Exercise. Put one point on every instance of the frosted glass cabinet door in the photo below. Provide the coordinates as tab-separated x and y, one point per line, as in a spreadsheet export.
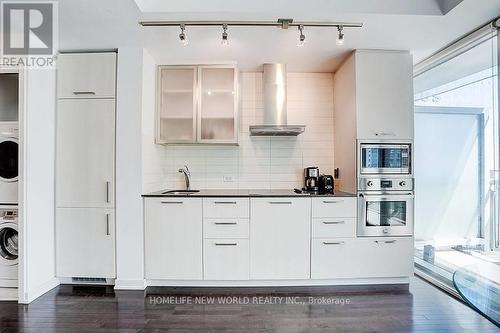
176	114
217	121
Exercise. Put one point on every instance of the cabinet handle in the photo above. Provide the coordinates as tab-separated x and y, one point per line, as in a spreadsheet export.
332	202
225	202
226	223
83	93
226	244
107	192
107	225
384	134
173	202
333	243
334	222
386	242
280	202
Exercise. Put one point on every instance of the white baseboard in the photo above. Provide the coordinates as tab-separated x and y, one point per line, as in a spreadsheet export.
9	294
30	295
130	284
277	283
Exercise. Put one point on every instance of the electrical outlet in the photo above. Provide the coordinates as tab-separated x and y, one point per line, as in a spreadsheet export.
228	178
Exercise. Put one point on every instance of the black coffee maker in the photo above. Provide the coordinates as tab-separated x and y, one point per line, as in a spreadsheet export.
311	179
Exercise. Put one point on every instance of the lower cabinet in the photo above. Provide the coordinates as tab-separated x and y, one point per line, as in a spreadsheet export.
280	238
226	259
361	258
85	242
173	238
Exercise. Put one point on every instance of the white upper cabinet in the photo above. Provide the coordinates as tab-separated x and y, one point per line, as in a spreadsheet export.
86	75
176	116
197	104
217	105
384	95
373	97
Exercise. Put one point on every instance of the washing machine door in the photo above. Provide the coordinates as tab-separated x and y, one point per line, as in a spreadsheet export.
9	159
9	244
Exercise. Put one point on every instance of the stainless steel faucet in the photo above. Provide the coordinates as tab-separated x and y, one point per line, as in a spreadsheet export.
187	176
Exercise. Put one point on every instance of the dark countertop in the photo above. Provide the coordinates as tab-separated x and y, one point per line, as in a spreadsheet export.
244	193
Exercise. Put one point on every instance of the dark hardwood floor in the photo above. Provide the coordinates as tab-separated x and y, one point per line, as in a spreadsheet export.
73	309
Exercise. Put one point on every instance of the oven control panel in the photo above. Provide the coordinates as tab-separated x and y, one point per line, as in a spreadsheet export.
385	184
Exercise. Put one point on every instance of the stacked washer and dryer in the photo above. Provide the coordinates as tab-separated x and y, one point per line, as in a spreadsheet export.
9	170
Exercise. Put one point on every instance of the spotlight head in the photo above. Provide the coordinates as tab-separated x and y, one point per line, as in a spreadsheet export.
340	36
182	36
302	37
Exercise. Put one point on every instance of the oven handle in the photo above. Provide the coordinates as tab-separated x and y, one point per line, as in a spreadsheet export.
384	196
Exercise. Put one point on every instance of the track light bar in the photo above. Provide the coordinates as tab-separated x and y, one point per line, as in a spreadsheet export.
280	23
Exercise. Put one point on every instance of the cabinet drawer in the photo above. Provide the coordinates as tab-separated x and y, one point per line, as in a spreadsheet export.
334	207
225	228
225	207
385	257
226	259
333	227
361	258
86	75
333	259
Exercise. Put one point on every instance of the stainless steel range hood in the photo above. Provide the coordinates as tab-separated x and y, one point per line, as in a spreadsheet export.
275	113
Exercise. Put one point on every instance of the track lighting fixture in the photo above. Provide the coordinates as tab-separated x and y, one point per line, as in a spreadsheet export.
283	23
182	36
225	41
302	37
340	37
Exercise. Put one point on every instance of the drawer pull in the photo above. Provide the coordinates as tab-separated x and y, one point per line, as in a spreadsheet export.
226	244
107	192
386	242
83	93
226	223
334	222
333	243
280	202
225	202
173	202
332	202
107	225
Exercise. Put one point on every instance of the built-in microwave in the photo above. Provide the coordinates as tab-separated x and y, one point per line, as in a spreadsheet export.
385	214
384	158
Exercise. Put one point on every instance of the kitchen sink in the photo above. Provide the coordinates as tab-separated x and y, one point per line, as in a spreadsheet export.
181	192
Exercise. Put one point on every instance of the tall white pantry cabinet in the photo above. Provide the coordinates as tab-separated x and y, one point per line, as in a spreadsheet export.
85	165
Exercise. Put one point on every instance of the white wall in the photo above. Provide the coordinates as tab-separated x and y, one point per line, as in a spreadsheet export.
37	269
152	177
129	222
257	163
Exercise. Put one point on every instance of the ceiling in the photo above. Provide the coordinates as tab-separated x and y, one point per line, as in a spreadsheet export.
421	26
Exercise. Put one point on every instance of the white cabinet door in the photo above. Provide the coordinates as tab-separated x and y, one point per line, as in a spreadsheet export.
85	242
176	104
85	153
280	238
217	104
384	95
226	259
338	258
86	75
173	238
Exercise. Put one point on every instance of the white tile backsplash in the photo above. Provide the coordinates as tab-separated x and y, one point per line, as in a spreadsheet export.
260	162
